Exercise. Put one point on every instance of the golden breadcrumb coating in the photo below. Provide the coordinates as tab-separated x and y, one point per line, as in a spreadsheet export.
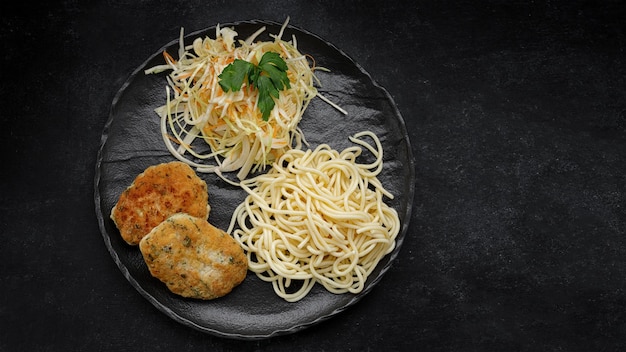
194	258
157	193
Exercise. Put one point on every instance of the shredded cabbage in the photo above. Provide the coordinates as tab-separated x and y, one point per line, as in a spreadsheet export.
230	122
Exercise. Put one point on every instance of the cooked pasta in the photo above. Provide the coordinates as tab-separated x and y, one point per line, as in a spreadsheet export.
317	216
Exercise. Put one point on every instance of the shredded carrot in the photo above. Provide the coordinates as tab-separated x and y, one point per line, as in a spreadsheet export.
308	56
168	58
229	122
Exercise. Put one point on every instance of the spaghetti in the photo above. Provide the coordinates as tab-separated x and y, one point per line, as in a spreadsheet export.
317	217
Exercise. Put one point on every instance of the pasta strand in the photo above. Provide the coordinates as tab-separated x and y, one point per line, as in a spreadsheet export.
317	216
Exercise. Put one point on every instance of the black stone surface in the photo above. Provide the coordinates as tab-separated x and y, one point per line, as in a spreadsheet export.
517	117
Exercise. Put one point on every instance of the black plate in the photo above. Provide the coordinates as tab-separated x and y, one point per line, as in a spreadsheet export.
131	142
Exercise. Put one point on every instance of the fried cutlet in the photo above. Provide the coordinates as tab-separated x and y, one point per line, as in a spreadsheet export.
194	258
157	193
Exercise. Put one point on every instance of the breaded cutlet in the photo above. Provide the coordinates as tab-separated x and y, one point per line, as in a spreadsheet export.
157	193
194	258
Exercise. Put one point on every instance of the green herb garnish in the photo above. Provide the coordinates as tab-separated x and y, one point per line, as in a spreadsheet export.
269	77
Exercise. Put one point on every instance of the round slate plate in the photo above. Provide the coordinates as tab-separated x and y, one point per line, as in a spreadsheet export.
131	142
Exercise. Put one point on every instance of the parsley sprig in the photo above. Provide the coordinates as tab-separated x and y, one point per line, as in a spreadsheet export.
268	77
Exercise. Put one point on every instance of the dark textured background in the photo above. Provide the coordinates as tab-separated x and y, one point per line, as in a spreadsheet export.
517	117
